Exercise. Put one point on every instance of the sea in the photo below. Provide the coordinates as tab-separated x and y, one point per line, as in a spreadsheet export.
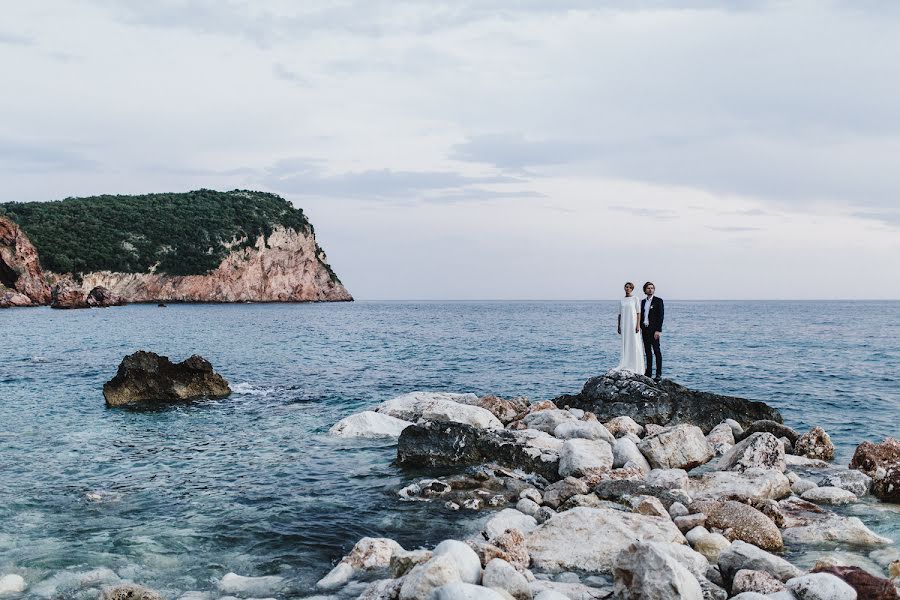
252	484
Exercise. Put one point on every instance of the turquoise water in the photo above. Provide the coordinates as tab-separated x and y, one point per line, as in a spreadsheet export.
251	484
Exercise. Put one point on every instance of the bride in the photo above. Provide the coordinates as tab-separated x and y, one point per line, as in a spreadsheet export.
630	329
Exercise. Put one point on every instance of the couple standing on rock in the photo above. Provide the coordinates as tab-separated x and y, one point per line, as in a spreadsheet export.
640	325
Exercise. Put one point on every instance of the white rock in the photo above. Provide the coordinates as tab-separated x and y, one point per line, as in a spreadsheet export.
753	483
793	460
619	426
551	595
570	540
580	457
467	562
454	412
682	447
568	590
801	486
464	591
501	575
677	509
720	439
741	555
759	450
588	430
232	583
697	532
338	576
528	507
428	576
853	481
834	528
829	495
532	494
12	584
751	596
576	412
643	571
711	546
736	428
548	420
648	505
821	586
625	450
369	424
668	478
509	518
409	406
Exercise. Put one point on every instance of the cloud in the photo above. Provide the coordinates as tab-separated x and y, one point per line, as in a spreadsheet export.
306	177
15	39
282	72
650	213
733	229
48	157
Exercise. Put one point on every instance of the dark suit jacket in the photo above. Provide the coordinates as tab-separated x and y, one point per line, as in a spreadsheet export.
657	313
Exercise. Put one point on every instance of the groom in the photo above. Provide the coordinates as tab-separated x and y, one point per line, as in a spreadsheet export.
652	312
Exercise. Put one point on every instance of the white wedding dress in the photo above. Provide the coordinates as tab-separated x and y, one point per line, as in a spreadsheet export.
632	346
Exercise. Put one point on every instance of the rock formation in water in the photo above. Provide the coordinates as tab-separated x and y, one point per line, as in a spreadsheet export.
22	282
148	378
202	246
619	393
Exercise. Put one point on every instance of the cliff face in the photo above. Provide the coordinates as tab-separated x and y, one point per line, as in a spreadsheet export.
22	281
288	266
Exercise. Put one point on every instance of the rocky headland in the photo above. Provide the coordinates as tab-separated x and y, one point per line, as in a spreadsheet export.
628	490
261	250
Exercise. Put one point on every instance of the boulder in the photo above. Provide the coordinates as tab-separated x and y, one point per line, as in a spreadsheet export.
557	493
465	591
20	268
855	482
558	590
404	560
506	410
146	377
380	589
454	412
741	555
753	483
619	426
624	451
832	528
369	424
867	586
620	393
433	444
682	447
741	522
720	439
711	546
467	562
129	592
65	293
881	462
815	444
508	518
624	490
802	485
747	580
410	406
428	576
650	506
500	575
829	495
368	554
821	586
776	428
514	548
689	522
13	299
569	540
668	478
100	297
589	430
642	570
759	450
528	507
547	420
580	457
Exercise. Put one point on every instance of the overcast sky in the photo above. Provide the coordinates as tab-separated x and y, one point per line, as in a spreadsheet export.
491	149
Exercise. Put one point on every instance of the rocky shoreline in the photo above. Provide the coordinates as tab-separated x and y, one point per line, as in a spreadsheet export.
630	490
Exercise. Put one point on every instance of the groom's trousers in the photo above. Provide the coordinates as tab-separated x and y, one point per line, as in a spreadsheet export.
651	349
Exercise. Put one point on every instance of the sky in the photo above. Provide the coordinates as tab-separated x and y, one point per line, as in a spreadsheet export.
490	149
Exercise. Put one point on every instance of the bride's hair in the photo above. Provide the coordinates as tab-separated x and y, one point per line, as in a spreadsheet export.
628	283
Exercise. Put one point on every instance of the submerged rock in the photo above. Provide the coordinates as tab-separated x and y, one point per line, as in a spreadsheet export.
881	462
12	584
620	393
232	583
855	482
146	377
129	592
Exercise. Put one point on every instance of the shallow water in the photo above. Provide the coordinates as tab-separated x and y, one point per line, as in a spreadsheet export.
177	498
